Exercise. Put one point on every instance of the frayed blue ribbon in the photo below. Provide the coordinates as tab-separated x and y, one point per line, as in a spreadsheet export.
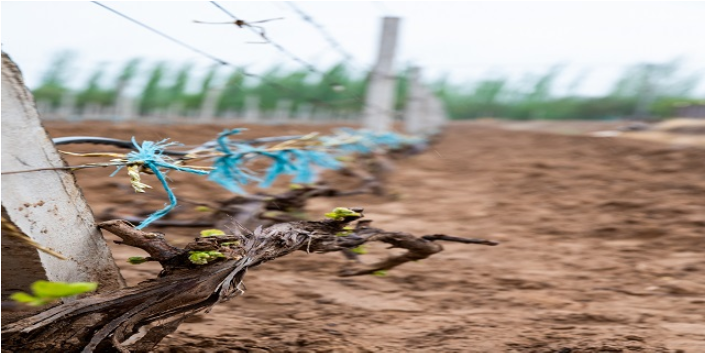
299	163
230	173
228	169
349	140
151	155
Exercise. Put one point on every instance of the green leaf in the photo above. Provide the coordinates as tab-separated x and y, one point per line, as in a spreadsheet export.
360	250
22	297
380	273
136	260
203	257
203	209
339	213
45	292
212	233
347	230
214	254
46	289
198	257
273	214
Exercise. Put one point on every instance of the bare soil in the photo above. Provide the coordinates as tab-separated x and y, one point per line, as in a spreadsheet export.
602	250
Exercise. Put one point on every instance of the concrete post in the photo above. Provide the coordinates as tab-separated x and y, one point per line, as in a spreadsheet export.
415	115
378	114
282	111
67	106
209	105
304	112
252	109
47	205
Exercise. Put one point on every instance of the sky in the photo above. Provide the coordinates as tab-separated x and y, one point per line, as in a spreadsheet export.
465	41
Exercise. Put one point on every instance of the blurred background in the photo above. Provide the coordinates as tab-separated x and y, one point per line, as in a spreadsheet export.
561	146
514	60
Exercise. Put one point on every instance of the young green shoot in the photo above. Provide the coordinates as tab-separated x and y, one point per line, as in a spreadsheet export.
45	292
204	257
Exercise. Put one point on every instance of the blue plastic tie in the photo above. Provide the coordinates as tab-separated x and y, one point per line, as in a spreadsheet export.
150	155
230	173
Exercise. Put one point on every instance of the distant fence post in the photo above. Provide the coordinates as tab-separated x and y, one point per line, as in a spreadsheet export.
282	111
439	115
47	205
415	116
173	113
432	110
67	106
125	108
210	103
91	111
252	108
378	114
304	111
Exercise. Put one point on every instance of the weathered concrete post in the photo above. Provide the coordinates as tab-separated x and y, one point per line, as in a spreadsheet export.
210	103
378	114
436	112
415	115
46	205
252	109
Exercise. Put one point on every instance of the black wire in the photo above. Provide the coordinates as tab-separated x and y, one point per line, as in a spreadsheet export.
105	141
93	140
333	43
67	140
308	66
276	85
324	33
278	46
225	10
152	29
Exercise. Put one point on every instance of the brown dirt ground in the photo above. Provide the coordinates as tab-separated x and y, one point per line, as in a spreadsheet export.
602	250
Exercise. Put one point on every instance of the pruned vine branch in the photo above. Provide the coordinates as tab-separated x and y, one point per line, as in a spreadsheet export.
135	319
252	210
417	248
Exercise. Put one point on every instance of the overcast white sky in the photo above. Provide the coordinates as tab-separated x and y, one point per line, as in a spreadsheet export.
467	40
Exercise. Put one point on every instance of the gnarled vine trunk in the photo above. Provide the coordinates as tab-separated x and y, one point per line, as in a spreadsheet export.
135	319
